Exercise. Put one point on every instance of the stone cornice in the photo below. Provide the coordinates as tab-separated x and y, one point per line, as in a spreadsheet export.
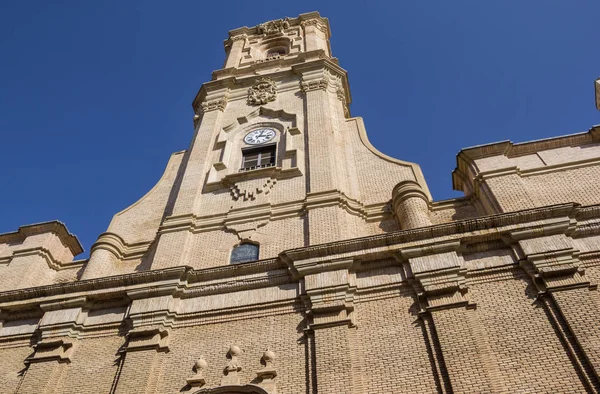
460	176
370	212
318	258
115	285
469	230
466	157
116	245
292	22
56	227
304	62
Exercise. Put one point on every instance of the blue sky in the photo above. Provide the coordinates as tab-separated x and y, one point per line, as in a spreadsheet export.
95	95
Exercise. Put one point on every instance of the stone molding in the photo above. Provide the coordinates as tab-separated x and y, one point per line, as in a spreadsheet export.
329	292
475	230
334	260
317	23
411	205
56	227
59	350
234	389
155	338
549	257
213	105
315	84
465	160
241	37
268	212
37	240
116	245
46	255
439	276
328	78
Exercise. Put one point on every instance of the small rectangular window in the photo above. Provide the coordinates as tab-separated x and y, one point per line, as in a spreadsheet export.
258	158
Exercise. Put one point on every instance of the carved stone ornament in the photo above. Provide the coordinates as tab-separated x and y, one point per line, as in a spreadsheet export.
315	84
268	373
316	23
230	372
198	379
273	27
250	189
208	106
263	91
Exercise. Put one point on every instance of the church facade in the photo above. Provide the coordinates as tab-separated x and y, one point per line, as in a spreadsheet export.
282	253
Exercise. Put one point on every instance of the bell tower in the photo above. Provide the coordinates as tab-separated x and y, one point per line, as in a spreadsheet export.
276	163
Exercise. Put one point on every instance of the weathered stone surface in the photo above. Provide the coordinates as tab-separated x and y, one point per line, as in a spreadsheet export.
363	283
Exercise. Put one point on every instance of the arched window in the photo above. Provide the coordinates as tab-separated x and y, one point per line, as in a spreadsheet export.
243	253
276	52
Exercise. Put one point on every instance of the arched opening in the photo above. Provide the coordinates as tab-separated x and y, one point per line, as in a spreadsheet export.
274	49
241	389
276	52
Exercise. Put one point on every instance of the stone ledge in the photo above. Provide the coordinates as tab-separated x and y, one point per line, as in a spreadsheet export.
56	227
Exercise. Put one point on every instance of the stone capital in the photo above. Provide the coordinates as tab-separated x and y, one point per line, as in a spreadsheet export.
329	296
148	338
58	349
551	261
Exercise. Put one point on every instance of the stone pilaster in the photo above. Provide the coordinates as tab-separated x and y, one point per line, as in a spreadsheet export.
209	106
316	32
552	262
147	341
45	367
142	361
447	315
314	84
53	351
234	47
329	297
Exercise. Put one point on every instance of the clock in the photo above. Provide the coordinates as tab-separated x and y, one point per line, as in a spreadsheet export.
259	136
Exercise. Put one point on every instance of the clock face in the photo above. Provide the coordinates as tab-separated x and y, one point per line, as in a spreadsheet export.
259	136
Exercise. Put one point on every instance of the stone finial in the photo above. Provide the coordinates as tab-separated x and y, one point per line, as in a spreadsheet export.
268	372
230	372
198	379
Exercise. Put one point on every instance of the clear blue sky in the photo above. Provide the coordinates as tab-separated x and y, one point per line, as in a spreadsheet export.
95	95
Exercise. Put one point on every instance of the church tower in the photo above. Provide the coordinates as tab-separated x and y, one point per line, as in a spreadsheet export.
282	253
276	163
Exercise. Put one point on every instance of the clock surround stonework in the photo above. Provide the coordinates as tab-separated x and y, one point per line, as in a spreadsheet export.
364	283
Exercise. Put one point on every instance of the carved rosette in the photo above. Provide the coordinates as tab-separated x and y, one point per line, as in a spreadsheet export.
263	91
273	27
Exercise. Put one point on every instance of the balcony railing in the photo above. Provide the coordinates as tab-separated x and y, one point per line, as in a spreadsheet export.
256	167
